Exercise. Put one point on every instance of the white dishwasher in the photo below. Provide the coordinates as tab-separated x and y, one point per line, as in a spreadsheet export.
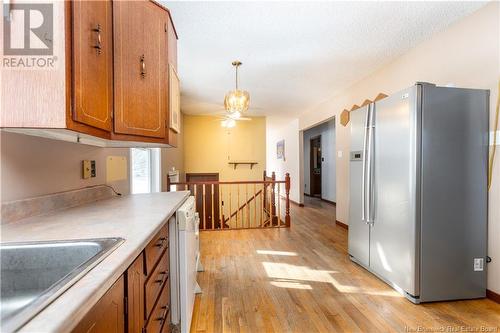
184	259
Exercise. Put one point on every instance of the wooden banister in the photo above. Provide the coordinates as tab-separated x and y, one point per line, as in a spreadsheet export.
256	203
287	199
240	182
244	205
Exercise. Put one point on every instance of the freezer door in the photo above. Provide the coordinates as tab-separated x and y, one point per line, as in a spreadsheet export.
393	232
358	229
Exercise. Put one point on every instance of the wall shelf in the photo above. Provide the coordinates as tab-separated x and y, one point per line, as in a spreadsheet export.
235	163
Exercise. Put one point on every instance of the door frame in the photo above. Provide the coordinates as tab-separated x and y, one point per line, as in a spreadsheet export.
188	174
312	188
216	217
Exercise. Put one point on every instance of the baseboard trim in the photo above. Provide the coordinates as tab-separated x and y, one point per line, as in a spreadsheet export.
296	203
493	296
321	198
330	202
342	225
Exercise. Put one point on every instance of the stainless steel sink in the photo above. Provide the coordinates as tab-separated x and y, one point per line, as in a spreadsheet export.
33	274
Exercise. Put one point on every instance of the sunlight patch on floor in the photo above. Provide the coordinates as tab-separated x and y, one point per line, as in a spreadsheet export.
299	274
277	253
291	285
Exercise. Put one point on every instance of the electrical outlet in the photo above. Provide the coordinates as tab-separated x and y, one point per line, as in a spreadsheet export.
92	169
88	169
478	264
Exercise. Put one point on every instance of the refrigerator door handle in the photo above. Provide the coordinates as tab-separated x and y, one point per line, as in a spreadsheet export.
371	166
363	174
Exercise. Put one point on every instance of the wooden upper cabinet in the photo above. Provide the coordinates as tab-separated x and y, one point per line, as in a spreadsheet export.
141	69
172	61
93	63
110	79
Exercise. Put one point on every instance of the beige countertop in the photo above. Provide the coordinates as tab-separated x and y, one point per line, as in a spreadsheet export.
135	218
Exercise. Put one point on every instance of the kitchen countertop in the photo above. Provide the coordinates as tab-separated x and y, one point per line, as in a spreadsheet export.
135	218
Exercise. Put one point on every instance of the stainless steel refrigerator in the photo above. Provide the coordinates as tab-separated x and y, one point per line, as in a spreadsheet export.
418	191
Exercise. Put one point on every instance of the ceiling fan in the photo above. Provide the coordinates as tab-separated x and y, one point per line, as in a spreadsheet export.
228	120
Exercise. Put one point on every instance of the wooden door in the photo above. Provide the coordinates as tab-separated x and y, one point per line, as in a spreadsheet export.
206	217
108	314
135	295
315	167
141	70
93	63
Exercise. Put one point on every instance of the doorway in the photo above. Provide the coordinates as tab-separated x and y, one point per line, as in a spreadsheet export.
206	218
318	162
315	166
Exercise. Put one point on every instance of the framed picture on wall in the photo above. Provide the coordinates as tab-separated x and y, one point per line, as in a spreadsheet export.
280	150
175	99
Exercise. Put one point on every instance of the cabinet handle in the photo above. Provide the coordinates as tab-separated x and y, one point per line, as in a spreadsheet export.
143	67
161	281
98	46
164	315
160	243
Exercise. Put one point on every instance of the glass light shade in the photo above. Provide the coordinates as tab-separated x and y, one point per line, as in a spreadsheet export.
237	101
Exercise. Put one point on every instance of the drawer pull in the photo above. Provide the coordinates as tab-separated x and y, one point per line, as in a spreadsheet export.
164	315
160	243
160	281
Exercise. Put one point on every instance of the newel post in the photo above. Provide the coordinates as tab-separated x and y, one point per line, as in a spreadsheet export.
273	194
287	203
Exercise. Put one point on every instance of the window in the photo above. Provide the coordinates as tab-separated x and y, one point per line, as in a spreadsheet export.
145	167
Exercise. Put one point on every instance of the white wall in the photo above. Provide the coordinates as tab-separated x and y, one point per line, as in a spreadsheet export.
328	169
173	157
33	166
288	129
467	55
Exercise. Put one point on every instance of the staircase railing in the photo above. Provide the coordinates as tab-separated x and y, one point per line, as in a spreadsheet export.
240	204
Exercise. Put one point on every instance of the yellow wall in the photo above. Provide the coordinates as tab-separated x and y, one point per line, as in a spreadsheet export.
209	147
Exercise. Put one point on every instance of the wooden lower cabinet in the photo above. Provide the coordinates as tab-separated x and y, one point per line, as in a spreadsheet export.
160	316
108	315
135	295
148	288
139	301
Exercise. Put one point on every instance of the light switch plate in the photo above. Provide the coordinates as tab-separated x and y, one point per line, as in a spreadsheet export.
339	154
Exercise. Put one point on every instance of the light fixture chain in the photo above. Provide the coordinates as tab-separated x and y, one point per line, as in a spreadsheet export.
237	77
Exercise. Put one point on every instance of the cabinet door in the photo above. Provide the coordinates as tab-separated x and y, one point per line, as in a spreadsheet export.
140	68
108	315
135	295
93	63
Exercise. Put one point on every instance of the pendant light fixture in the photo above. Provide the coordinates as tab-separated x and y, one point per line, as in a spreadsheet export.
237	101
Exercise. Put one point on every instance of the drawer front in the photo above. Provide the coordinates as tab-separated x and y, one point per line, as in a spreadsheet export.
157	279
155	248
160	317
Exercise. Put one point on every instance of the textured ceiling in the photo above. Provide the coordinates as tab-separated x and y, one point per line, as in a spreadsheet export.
295	54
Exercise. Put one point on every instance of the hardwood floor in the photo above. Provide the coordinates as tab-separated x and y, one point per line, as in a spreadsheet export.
301	280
